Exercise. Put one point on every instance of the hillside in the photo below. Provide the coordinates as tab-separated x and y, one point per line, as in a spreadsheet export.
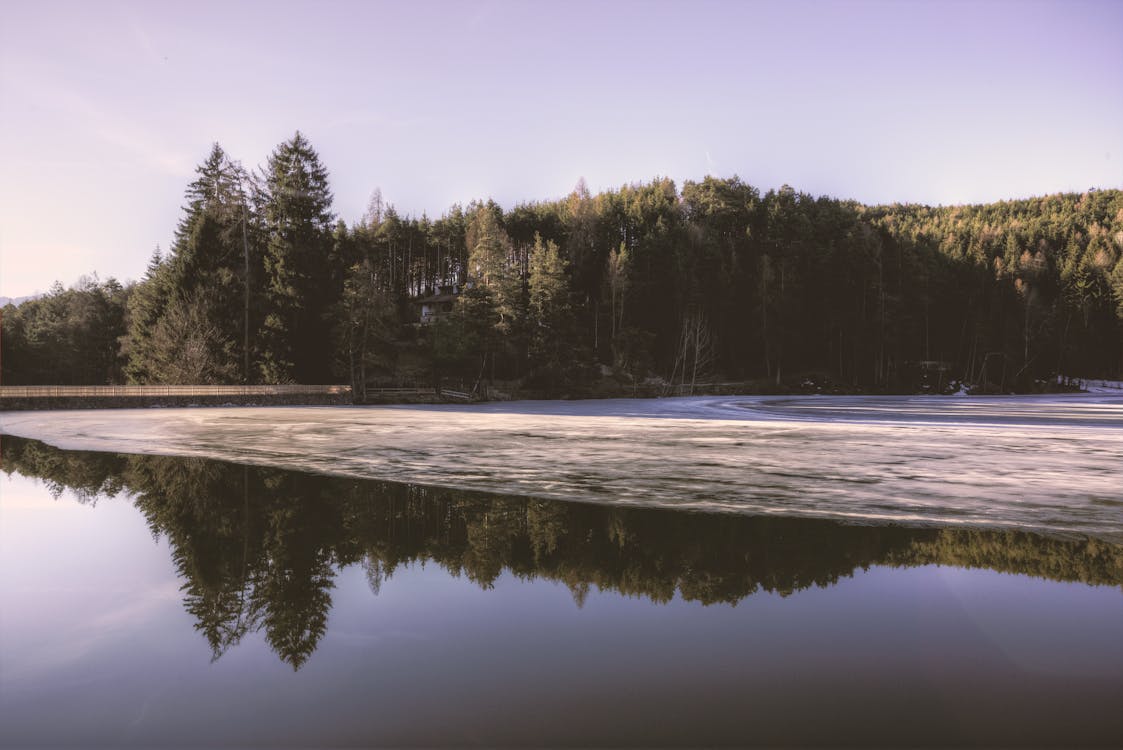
713	281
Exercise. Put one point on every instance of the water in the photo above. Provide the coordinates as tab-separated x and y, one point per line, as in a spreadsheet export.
153	600
1052	464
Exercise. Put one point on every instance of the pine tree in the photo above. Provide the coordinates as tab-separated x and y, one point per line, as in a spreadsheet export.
199	295
552	322
365	322
490	264
297	220
146	306
492	306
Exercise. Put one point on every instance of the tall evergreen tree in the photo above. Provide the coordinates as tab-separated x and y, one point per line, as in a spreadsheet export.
365	327
297	221
146	306
190	322
553	339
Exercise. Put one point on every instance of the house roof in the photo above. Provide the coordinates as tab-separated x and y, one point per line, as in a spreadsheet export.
435	299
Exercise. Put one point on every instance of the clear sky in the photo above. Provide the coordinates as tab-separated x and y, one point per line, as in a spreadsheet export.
106	107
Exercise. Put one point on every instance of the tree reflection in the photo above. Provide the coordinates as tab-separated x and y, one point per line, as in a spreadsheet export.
258	548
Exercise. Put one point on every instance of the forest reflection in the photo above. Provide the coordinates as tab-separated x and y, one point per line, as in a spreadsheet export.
258	548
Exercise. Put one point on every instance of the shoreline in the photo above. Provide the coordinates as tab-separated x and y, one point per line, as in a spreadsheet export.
117	397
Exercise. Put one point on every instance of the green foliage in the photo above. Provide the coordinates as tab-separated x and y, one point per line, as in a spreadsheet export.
475	324
66	337
492	265
365	327
718	281
297	218
190	346
553	337
188	320
146	307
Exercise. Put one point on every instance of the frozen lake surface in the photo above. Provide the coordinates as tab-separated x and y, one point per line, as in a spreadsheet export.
1047	464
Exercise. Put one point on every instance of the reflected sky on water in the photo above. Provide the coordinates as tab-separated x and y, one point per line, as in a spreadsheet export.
214	603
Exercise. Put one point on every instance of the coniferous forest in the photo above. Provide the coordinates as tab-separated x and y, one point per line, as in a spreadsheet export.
646	284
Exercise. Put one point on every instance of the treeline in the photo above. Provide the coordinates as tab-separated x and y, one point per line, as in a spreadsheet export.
66	337
258	549
716	281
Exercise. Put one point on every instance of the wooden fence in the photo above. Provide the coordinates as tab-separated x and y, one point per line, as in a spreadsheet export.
425	393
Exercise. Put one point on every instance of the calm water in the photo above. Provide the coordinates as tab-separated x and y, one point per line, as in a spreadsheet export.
151	600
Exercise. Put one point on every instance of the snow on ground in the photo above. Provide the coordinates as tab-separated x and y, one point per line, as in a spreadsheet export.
1088	385
1104	386
1052	463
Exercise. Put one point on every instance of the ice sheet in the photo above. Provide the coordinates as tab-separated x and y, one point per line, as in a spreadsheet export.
1051	464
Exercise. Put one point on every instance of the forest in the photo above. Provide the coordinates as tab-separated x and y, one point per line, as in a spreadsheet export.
259	549
649	285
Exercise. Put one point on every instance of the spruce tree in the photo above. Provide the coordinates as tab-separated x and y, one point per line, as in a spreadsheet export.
297	220
146	306
197	297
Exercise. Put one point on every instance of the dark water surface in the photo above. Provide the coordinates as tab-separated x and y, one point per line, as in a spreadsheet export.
155	601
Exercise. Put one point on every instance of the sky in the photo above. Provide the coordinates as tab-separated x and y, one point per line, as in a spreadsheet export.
107	107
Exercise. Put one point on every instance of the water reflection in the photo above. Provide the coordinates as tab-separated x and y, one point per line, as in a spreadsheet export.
258	549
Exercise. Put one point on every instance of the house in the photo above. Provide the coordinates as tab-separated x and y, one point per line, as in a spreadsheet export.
436	306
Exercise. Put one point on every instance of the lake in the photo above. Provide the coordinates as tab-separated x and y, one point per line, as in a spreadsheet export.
675	572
